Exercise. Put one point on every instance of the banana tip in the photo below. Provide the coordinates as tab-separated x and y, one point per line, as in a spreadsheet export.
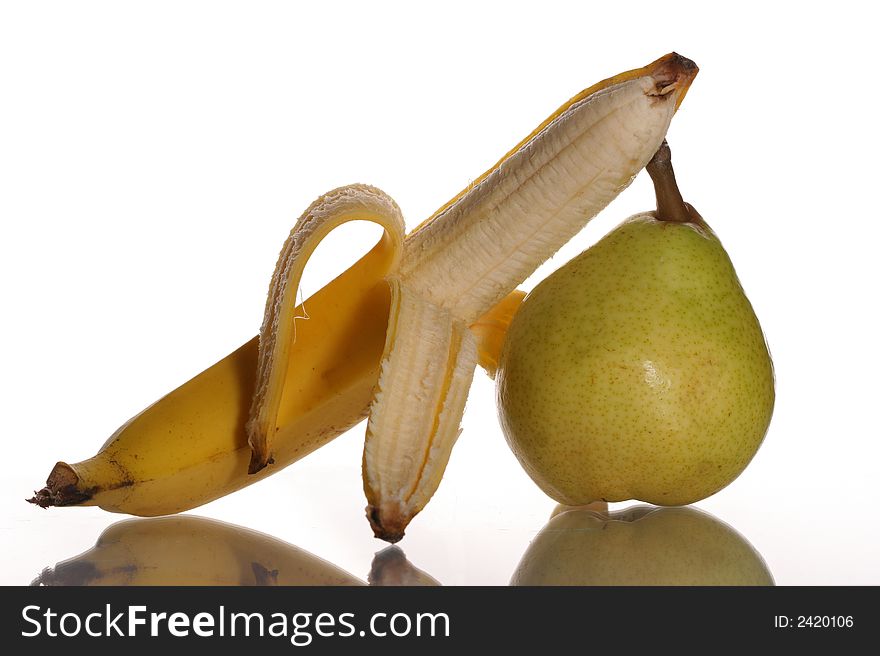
388	522
62	489
673	72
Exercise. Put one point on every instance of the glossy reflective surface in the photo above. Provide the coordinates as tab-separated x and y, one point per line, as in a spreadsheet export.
641	545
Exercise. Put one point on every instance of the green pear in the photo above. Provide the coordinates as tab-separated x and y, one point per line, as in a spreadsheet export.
642	545
639	369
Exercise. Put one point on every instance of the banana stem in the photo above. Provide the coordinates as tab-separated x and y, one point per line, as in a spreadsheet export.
670	205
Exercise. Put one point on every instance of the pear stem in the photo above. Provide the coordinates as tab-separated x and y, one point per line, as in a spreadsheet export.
670	205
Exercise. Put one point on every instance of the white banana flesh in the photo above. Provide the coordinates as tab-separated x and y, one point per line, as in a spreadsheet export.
426	371
478	249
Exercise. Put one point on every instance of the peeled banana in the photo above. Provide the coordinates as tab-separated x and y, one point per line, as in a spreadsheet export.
477	249
398	335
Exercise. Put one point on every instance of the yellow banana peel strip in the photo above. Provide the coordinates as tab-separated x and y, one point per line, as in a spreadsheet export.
277	335
491	328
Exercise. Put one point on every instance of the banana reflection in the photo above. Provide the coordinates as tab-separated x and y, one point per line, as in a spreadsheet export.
391	568
641	545
188	550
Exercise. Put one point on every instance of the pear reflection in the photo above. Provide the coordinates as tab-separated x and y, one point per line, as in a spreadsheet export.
641	545
391	567
188	550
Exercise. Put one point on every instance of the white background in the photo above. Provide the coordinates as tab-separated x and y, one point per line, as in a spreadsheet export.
153	157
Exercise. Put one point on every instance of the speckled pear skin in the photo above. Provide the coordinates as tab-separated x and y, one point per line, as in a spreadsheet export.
640	546
637	371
